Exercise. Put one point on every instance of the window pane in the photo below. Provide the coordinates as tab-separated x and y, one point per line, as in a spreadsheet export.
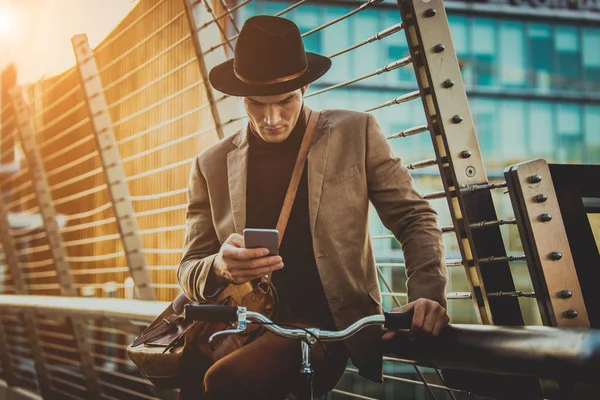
484	117
567	59
460	39
512	121
540	45
570	138
484	51
592	133
541	130
336	38
591	58
512	54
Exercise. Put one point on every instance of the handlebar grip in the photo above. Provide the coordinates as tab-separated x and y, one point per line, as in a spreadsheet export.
210	313
398	320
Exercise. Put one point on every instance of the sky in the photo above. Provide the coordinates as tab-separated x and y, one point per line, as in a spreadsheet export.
36	34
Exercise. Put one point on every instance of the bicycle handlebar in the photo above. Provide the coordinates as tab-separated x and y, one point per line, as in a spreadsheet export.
218	313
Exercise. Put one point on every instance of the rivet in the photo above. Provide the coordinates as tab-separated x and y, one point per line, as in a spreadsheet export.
565	294
555	255
457	119
537	178
439	48
540	198
266	276
466	154
570	314
448	83
430	12
470	171
546	217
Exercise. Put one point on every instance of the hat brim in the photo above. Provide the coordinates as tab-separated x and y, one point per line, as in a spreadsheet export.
223	79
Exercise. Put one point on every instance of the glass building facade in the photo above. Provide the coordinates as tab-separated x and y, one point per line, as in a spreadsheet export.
532	77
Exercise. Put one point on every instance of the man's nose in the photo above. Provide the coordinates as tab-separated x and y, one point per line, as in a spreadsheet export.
272	116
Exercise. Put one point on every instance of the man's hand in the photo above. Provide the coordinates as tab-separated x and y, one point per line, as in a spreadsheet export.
236	264
429	318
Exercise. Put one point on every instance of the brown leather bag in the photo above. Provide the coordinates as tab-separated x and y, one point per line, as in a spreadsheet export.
170	347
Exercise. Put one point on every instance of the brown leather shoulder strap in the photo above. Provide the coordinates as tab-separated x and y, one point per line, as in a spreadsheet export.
295	181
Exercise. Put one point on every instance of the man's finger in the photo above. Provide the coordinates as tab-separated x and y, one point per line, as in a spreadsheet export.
389	335
431	318
440	324
236	240
254	273
242	254
418	318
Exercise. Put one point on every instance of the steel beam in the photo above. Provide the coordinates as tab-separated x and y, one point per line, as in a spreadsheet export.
112	167
27	318
206	36
46	207
459	157
550	261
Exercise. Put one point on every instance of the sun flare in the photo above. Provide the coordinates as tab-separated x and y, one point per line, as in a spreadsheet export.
6	20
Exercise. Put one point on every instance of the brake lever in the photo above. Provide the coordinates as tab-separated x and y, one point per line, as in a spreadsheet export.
242	323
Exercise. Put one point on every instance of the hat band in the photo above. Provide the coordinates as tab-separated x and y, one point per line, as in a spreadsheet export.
271	81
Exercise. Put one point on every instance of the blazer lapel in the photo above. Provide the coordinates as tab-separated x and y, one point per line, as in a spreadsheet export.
317	158
237	171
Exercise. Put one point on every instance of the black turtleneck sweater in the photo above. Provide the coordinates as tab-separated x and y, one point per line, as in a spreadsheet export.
270	166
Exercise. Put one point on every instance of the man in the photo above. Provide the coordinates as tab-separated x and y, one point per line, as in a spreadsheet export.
325	274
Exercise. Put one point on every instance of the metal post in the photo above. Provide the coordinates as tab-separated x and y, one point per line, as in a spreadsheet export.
550	263
459	157
112	167
223	109
48	213
28	319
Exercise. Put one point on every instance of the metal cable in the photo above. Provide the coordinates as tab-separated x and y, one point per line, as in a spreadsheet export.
36	264
229	12
138	68
62	116
418	371
58	81
160	230
113	61
160	169
161	125
151	83
214	17
229	39
127	391
95	239
384	33
77	178
161	210
96	258
410	132
360	8
162	251
92	224
168	144
387	68
105	44
66	149
398	100
158	195
80	195
55	102
388	287
64	133
86	214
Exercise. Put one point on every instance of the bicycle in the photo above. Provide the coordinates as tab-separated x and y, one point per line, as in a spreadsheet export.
240	317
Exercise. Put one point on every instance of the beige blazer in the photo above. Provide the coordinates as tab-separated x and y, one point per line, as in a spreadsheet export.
349	163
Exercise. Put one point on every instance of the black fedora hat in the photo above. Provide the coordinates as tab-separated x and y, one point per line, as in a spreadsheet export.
269	59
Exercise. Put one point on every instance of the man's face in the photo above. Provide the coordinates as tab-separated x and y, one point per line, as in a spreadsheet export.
274	117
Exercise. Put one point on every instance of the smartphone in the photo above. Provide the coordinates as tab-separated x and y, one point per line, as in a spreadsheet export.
268	238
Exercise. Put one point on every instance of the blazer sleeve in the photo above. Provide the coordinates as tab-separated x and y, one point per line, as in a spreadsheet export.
410	217
201	244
